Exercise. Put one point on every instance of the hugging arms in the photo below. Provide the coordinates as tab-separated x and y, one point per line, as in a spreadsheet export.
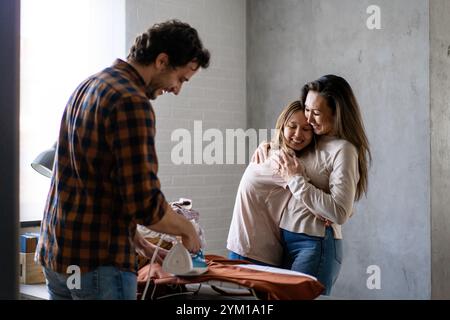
321	154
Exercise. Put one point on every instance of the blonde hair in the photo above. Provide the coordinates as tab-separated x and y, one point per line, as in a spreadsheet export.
347	120
279	141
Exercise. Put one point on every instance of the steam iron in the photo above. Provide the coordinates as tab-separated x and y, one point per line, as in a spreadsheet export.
180	262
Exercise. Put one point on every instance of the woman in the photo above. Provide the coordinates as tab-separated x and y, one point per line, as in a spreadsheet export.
262	195
324	181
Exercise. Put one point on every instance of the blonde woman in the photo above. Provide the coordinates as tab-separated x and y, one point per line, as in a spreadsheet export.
262	195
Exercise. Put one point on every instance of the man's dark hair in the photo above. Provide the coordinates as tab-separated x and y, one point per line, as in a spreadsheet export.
175	38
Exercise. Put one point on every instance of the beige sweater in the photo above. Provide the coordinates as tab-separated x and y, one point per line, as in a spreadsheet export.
328	190
261	198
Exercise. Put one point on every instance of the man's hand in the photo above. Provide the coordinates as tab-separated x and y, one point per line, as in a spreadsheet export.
289	166
261	153
191	241
177	225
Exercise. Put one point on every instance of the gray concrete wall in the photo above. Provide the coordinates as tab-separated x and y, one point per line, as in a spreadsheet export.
290	42
440	147
216	96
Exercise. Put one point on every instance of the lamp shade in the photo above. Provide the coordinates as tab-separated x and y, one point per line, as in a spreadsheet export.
44	162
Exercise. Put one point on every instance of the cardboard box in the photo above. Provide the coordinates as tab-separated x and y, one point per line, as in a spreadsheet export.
28	242
30	272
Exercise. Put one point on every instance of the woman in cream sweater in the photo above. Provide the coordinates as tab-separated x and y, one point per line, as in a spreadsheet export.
325	181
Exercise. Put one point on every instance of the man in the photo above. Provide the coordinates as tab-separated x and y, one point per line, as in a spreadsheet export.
105	174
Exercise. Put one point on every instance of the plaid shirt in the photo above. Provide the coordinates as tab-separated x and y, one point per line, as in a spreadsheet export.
105	175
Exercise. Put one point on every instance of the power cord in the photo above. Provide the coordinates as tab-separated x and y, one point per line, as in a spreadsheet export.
150	267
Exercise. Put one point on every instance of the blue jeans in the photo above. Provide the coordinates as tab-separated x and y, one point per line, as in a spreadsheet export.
103	283
320	257
234	256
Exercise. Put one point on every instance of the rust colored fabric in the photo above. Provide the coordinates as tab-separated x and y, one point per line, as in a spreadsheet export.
268	285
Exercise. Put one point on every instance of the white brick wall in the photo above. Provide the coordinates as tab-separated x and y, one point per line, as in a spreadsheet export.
217	96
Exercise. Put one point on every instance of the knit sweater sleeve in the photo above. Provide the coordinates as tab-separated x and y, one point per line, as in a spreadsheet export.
336	206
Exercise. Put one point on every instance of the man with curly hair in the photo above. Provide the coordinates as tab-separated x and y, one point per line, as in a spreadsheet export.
105	173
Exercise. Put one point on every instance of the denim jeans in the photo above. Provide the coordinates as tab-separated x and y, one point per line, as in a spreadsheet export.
320	257
103	283
234	256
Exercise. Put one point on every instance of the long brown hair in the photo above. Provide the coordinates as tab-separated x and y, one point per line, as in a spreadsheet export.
347	120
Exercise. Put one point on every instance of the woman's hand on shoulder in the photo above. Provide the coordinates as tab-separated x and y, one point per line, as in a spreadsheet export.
261	153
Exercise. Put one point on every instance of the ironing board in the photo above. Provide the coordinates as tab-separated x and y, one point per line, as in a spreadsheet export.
228	275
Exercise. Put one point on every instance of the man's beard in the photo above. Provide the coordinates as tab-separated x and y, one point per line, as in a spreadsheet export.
150	92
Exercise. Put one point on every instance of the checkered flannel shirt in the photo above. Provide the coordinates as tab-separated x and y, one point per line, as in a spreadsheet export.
105	175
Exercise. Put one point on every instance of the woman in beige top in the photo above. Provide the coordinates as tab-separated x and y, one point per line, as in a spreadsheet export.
324	181
262	195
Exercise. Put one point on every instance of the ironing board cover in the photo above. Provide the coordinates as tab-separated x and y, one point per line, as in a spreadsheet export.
268	285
